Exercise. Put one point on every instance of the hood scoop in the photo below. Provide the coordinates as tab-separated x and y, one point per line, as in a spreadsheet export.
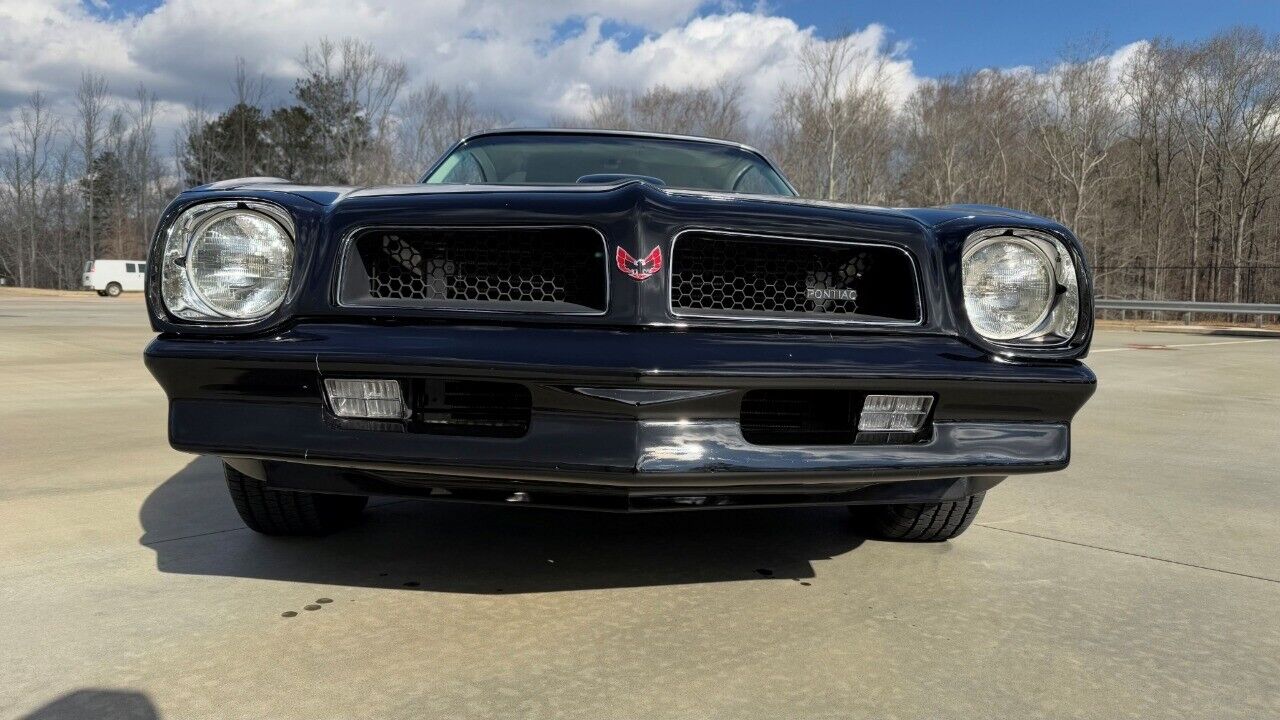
613	178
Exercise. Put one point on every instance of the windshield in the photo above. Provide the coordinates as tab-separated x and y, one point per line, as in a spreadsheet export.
546	159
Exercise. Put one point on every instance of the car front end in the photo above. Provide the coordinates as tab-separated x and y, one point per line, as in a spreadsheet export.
615	346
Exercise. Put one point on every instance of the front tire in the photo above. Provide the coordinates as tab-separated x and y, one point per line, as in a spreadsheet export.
114	290
288	512
101	293
917	522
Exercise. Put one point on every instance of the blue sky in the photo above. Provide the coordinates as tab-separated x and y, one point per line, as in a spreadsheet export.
948	36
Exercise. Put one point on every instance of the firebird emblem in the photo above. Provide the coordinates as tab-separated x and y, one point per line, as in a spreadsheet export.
640	269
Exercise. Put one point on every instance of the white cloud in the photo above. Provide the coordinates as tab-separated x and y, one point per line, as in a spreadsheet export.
517	56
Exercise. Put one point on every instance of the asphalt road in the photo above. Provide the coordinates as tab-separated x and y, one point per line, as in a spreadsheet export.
1142	582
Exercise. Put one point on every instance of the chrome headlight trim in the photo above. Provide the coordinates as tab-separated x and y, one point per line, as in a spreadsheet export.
1057	325
180	293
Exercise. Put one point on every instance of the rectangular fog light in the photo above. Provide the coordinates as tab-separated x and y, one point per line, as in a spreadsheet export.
894	413
377	399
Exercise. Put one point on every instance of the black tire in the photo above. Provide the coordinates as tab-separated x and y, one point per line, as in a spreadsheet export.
288	512
101	293
917	522
114	289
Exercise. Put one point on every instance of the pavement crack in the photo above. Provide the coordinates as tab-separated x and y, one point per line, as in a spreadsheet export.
150	543
1131	554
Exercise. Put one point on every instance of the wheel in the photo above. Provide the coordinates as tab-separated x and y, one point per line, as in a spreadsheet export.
288	512
114	289
101	293
917	522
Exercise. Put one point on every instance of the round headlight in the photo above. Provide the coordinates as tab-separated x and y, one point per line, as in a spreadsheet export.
239	263
1009	287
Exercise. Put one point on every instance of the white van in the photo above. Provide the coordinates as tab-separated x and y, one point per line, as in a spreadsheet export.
112	277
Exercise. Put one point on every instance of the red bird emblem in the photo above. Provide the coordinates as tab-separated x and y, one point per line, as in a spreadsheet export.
640	269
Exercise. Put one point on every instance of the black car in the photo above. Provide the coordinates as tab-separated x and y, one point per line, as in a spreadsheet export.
613	321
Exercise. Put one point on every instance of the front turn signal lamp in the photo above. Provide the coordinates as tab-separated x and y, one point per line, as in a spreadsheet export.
366	399
894	413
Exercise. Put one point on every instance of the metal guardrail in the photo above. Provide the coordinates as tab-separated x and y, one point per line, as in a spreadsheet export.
1259	311
1220	308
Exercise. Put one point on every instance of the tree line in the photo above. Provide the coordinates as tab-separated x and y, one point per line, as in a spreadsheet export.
1165	162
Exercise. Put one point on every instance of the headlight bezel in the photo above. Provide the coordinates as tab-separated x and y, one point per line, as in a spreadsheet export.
179	292
1062	321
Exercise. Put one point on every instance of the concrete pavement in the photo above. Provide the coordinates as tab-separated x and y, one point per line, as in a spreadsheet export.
1142	582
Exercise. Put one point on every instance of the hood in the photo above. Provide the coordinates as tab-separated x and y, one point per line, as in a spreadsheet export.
333	195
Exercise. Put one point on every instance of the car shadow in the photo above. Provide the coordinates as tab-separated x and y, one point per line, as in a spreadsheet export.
98	704
190	524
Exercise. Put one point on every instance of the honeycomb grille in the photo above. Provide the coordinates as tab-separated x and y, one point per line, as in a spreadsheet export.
732	275
533	270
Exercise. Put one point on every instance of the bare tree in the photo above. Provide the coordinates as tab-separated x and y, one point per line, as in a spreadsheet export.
1150	85
58	257
940	140
143	168
91	116
1227	127
420	132
249	92
354	92
714	111
818	101
964	139
1077	123
195	153
834	126
711	111
432	120
25	173
1247	67
611	110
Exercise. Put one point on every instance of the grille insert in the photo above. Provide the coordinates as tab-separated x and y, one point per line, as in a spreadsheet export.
470	407
745	276
555	270
800	417
814	417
